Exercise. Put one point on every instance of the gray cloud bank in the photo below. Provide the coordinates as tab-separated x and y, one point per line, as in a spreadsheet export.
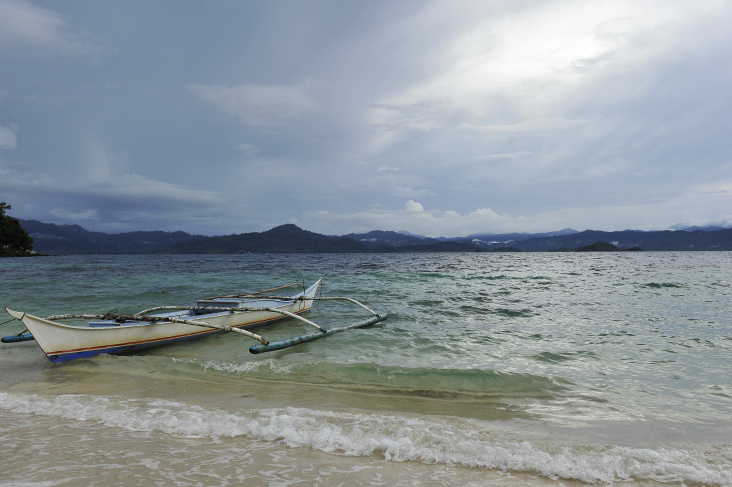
436	117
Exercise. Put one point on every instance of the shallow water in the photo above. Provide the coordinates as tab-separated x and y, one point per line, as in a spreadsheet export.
526	369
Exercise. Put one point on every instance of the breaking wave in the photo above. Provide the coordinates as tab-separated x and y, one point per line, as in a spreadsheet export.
394	437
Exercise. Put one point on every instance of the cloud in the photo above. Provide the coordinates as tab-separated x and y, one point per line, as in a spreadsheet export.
516	73
98	192
413	206
7	136
487	116
403	191
651	214
536	127
84	215
430	223
248	150
25	27
260	104
99	165
127	202
124	199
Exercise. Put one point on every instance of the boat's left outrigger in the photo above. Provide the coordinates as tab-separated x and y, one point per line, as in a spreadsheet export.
116	333
20	337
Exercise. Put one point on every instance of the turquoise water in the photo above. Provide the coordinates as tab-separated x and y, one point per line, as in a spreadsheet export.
526	368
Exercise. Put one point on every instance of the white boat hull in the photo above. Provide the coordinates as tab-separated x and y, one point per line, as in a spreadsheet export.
62	342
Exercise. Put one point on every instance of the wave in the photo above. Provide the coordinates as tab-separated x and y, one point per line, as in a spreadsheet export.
467	384
661	285
393	437
557	357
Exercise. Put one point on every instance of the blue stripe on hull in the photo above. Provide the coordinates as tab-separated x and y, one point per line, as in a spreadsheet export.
122	349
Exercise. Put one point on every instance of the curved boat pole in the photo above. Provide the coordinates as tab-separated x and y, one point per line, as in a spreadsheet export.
141	315
265	344
153	320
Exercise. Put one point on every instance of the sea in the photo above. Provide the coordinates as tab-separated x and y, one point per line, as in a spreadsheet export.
527	369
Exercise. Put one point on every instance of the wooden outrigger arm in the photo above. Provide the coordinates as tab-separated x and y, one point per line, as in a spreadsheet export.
291	342
296	340
264	346
314	298
296	283
141	315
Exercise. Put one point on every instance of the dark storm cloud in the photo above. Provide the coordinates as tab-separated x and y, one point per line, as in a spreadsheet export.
440	118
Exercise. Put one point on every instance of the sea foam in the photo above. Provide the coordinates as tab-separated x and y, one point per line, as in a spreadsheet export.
394	437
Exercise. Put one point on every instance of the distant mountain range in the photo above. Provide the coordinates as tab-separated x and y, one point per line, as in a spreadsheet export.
55	239
49	238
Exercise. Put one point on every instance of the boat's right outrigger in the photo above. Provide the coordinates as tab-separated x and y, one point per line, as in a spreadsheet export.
323	332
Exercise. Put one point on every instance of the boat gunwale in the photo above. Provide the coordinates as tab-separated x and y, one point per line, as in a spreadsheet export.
171	338
162	321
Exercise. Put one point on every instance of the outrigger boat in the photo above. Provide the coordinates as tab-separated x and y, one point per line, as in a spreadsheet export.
120	334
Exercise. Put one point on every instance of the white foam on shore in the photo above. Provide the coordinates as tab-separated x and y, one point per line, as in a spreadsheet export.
395	437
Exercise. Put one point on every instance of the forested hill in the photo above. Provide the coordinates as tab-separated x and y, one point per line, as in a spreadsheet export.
55	239
285	238
291	238
660	240
73	239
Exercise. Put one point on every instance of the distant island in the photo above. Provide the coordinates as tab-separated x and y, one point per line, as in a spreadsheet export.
600	247
49	238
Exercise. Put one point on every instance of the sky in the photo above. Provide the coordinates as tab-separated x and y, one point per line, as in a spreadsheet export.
438	118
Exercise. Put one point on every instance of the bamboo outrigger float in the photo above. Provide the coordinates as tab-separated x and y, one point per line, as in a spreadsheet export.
119	334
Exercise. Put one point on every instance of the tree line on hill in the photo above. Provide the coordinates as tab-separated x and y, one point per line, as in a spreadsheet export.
14	240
